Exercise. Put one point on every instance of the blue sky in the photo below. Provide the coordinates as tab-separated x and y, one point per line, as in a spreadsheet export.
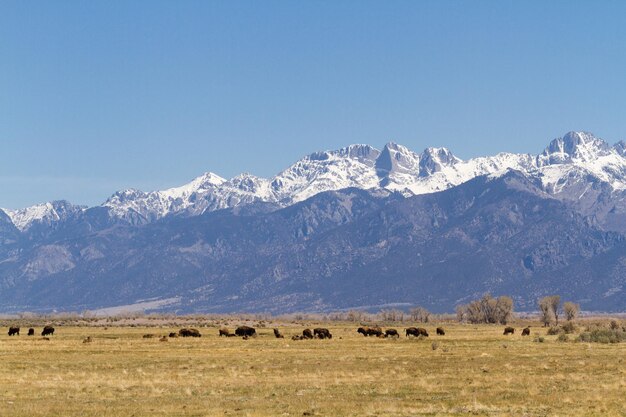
101	96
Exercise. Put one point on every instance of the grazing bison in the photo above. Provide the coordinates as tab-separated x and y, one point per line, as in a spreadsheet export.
307	334
245	331
31	332
278	335
526	331
370	331
440	331
14	331
508	330
322	333
173	334
47	330
224	332
416	331
189	333
391	333
412	331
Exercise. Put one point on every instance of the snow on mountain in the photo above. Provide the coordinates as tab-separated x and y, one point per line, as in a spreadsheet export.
139	207
397	166
46	213
352	166
578	156
566	164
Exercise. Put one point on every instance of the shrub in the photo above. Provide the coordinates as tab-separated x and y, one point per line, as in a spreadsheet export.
603	336
539	339
554	330
569	327
562	338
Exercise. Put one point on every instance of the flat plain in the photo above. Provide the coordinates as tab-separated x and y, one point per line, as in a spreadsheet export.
472	370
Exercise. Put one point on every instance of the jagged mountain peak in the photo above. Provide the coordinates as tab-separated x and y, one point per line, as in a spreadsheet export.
48	213
361	152
396	158
574	146
435	159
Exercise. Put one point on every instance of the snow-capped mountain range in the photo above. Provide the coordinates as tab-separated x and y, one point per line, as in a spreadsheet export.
565	161
353	228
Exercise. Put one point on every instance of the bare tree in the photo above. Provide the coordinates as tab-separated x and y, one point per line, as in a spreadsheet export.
355	316
571	310
420	314
549	307
487	310
461	311
392	315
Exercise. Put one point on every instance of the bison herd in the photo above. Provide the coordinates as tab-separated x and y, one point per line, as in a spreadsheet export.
318	333
47	331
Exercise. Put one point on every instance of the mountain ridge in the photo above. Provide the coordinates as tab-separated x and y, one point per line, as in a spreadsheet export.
395	168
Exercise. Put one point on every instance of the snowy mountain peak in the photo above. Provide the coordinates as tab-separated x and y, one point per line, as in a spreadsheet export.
46	213
435	159
364	153
204	182
396	166
574	146
397	158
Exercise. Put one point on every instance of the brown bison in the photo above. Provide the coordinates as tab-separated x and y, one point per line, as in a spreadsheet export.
307	334
370	331
14	331
440	331
189	333
322	333
416	331
526	331
508	330
278	335
173	334
47	330
31	332
391	333
224	332
245	331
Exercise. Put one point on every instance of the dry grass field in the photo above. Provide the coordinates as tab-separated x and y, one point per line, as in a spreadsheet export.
473	370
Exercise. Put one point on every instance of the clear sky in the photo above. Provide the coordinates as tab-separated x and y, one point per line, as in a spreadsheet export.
97	96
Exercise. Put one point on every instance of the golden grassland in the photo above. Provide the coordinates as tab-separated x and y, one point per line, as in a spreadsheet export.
472	370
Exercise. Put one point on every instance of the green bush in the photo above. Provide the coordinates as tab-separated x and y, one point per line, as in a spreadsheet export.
603	336
539	339
562	338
